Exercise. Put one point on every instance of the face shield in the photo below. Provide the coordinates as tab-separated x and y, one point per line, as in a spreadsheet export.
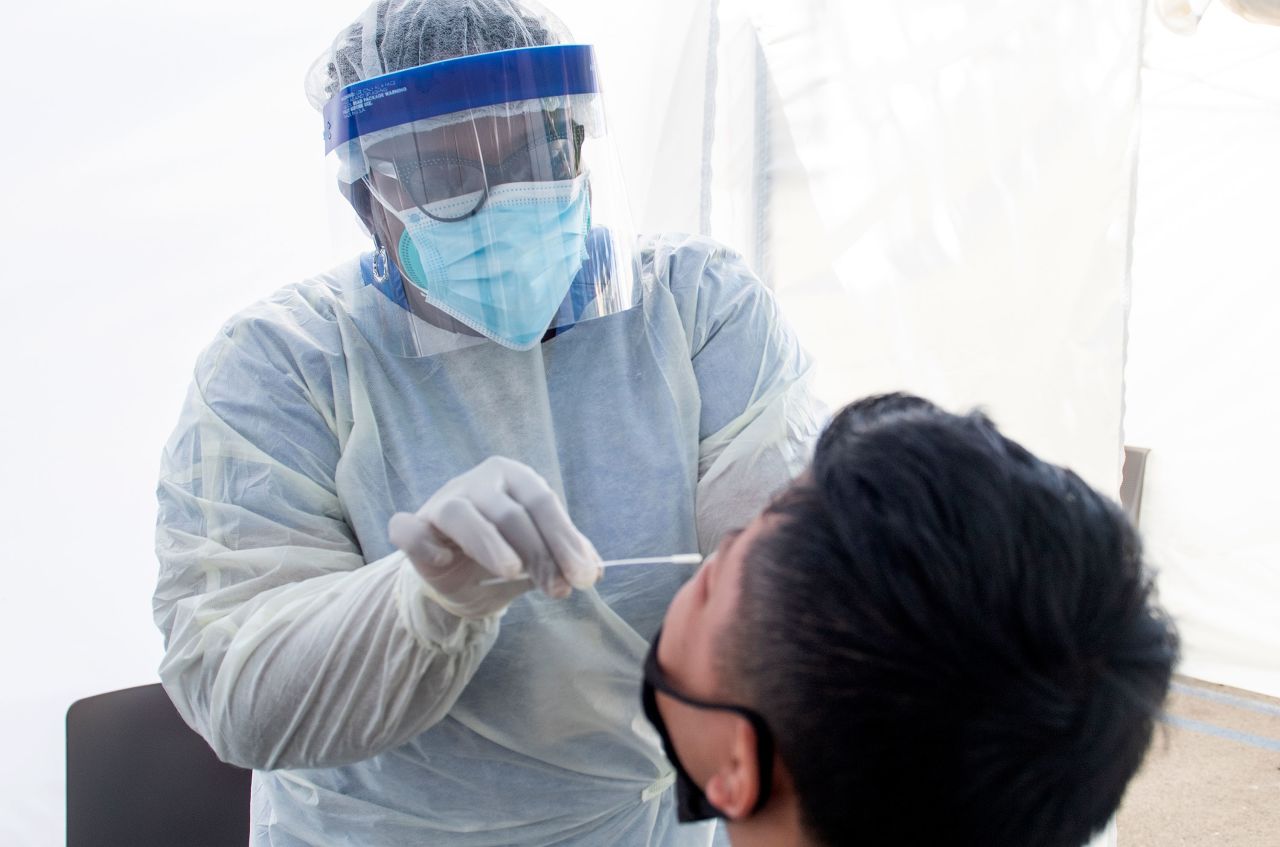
490	183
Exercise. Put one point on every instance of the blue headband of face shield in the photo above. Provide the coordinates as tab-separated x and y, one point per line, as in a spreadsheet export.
691	802
457	85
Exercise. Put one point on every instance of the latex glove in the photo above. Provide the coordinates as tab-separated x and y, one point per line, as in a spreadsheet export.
499	519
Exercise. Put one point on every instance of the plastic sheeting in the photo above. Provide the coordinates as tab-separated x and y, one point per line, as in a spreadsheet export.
1204	367
941	193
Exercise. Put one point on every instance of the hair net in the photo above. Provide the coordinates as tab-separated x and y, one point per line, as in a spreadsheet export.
393	35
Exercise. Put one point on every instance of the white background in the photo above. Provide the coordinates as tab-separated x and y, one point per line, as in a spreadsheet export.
1204	354
164	169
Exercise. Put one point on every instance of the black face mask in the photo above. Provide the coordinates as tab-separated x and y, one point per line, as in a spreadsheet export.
691	803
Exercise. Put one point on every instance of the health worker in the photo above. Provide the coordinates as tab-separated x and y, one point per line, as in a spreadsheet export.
509	384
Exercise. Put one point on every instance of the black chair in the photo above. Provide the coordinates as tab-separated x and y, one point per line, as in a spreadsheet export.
137	775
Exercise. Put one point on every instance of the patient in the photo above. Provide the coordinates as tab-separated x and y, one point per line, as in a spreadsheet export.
931	638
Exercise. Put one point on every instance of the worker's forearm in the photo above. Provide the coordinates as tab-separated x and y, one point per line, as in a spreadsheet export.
322	672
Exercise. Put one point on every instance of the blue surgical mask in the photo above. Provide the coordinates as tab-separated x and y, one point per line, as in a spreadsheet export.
505	270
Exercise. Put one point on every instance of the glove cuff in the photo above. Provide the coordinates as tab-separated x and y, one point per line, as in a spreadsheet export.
431	619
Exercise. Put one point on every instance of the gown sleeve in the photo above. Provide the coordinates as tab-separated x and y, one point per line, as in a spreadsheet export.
284	648
759	417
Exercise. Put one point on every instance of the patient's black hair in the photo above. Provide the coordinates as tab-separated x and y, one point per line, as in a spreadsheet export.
955	642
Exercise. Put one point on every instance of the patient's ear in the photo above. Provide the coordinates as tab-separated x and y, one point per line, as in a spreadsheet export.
735	785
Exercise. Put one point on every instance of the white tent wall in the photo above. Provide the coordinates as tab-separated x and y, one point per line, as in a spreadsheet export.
1204	368
945	191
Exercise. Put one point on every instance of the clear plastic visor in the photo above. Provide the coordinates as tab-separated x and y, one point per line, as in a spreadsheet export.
426	165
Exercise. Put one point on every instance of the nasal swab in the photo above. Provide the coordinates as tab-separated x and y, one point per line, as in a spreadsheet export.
678	559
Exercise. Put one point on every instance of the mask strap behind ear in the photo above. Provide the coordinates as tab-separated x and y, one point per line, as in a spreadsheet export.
764	738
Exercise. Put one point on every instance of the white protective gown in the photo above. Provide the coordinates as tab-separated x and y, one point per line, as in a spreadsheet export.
295	639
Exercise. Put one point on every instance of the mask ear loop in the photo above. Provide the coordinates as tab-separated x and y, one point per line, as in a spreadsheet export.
657	677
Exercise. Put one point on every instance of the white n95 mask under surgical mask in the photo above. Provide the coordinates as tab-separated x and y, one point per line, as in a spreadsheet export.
506	269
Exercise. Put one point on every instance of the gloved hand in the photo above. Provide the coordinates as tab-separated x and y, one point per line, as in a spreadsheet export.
499	519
